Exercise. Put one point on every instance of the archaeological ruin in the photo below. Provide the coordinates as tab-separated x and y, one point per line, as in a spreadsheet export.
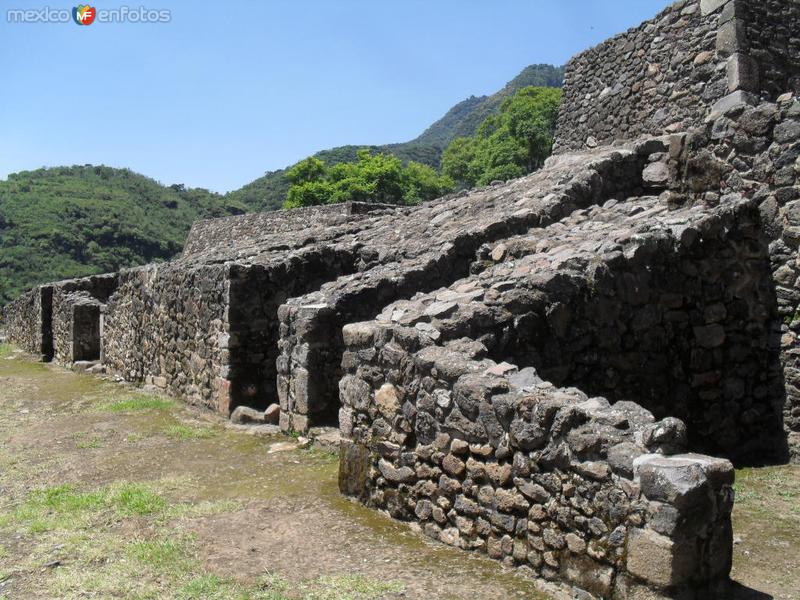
558	371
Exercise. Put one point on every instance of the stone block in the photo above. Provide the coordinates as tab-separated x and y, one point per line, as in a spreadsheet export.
587	574
358	334
719	471
621	457
224	396
656	175
660	561
742	72
709	6
354	466
387	401
730	37
272	414
739	98
244	415
731	10
299	423
396	474
681	482
299	386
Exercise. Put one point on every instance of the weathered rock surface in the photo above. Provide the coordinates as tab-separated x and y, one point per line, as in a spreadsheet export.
244	415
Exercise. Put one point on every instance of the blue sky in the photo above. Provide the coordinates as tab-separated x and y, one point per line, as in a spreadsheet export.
228	90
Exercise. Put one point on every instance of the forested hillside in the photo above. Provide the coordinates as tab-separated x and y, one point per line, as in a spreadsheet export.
74	221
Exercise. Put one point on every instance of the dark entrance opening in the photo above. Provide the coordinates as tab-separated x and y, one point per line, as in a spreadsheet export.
86	331
46	300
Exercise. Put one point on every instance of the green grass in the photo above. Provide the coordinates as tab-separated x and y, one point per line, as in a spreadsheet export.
64	507
350	587
137	403
274	587
134	499
753	487
169	556
207	587
5	349
82	442
182	432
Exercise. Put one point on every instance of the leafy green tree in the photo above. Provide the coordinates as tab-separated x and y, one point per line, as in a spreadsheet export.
510	144
380	178
307	170
531	116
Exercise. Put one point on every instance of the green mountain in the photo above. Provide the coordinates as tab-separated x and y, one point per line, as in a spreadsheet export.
269	191
464	118
74	221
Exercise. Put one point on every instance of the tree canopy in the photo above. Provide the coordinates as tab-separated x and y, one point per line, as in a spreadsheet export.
379	178
512	143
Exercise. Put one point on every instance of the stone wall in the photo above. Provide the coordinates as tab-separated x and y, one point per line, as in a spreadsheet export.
520	369
485	459
429	247
29	321
76	316
772	30
755	151
166	325
660	77
231	232
672	309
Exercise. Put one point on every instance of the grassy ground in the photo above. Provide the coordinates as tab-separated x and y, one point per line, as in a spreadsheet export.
766	523
106	492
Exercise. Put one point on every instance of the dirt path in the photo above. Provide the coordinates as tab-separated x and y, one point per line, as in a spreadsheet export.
106	492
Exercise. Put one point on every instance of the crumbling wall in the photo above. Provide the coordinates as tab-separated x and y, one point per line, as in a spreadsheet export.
29	321
569	486
660	77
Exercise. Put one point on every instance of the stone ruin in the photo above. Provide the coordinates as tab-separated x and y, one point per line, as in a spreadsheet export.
557	371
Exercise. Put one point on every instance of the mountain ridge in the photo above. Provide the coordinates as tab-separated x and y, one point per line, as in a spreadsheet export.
268	191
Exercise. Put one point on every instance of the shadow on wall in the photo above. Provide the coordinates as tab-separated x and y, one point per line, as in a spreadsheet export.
256	292
691	333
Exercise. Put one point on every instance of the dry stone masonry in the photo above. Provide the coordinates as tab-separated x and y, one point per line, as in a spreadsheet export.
557	371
